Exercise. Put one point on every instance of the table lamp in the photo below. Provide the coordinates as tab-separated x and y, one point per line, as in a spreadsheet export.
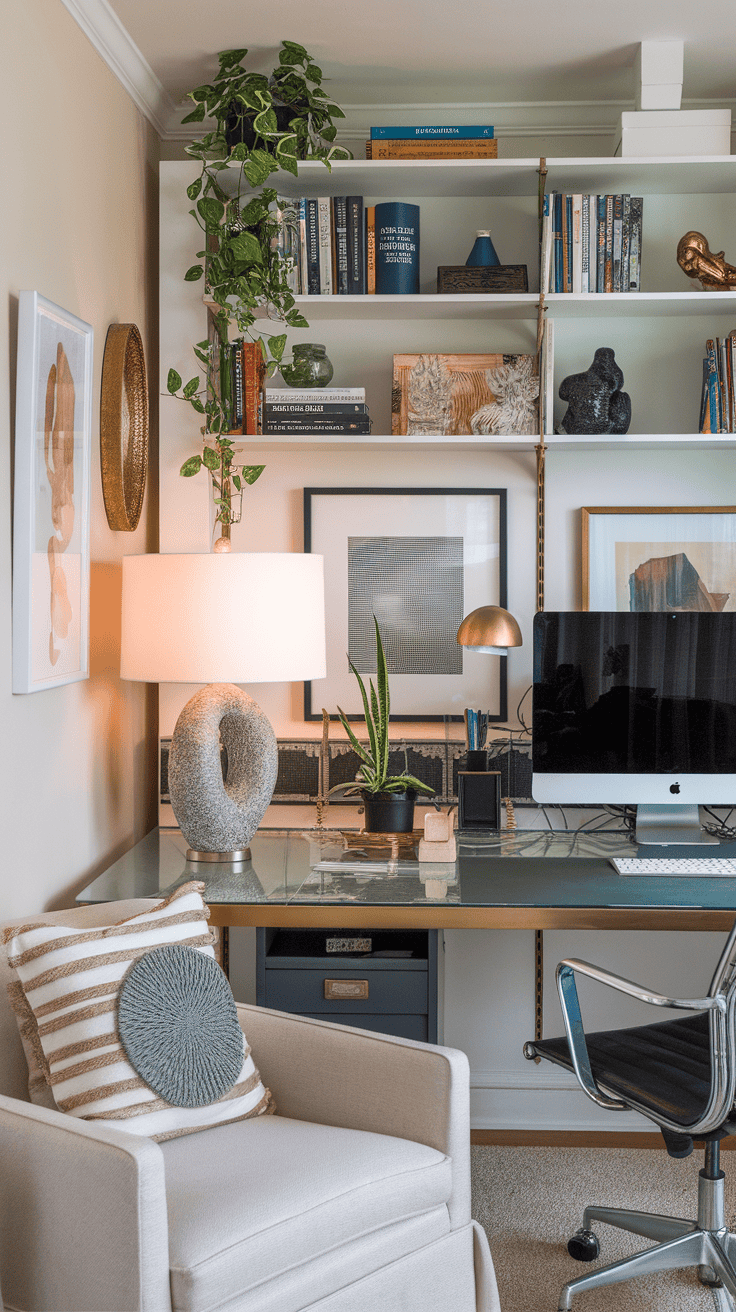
489	629
222	619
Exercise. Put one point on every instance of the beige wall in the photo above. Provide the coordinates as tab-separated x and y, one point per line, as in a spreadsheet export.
78	224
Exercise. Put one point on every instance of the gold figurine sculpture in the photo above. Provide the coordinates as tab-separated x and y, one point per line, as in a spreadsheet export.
697	260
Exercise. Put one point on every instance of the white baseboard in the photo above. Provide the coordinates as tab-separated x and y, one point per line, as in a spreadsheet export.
541	1099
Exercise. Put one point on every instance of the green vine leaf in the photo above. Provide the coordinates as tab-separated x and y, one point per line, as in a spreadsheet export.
211	210
277	345
173	381
196	115
210	458
191	466
246	248
252	473
194	274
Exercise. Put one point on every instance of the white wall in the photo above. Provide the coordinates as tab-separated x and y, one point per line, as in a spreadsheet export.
489	979
79	225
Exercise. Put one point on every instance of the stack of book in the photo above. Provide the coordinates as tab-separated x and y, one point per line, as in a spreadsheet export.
471	141
591	243
315	410
718	402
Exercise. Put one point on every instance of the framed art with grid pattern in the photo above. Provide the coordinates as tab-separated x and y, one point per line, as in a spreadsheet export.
419	559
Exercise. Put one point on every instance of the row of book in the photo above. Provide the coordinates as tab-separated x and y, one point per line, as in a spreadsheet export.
316	410
718	401
337	246
591	243
464	141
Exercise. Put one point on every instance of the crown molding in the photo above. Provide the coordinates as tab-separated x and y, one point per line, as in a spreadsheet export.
111	40
511	119
522	118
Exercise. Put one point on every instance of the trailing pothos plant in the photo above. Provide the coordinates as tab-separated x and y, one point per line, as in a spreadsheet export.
217	452
262	124
373	776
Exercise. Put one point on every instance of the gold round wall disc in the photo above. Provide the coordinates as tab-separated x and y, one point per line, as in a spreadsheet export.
123	426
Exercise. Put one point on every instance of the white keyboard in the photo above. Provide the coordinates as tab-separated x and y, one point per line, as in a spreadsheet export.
711	867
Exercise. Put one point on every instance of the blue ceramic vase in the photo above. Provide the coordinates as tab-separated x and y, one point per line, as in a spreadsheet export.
483	253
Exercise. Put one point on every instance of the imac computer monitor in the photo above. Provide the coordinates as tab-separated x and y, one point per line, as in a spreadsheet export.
636	708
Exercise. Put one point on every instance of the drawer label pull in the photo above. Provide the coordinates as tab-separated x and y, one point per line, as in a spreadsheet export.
346	988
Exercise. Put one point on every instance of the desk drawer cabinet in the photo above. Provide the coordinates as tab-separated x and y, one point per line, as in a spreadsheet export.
391	987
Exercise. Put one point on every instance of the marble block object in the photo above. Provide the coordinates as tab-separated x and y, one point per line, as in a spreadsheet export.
215	815
595	402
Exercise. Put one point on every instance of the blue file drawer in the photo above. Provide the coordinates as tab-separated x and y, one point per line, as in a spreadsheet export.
392	988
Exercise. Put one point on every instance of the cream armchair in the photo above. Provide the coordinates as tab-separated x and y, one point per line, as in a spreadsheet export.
355	1197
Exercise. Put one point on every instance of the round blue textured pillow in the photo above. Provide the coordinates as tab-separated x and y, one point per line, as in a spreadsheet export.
179	1026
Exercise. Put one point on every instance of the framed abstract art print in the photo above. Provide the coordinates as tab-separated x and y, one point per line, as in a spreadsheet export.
53	428
419	559
661	558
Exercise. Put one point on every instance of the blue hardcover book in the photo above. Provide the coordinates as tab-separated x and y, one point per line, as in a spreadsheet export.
567	253
397	249
464	132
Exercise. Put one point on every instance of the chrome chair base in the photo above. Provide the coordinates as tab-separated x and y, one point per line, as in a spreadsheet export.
705	1243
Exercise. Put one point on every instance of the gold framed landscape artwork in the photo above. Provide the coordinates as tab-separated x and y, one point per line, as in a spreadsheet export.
659	558
451	395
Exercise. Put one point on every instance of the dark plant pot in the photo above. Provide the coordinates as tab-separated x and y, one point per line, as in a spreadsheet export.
239	129
389	813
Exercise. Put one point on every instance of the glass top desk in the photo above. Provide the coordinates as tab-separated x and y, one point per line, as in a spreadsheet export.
519	879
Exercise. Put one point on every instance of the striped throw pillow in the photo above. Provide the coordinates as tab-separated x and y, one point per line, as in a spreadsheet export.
71	979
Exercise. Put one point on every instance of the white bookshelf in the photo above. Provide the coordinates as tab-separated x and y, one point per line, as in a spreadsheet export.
657	175
566	305
658	333
481	442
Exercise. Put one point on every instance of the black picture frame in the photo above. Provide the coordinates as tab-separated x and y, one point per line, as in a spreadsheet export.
418	697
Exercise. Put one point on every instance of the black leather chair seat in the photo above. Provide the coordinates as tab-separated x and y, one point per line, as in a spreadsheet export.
665	1067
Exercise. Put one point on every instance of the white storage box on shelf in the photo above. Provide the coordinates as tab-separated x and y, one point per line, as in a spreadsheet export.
674	132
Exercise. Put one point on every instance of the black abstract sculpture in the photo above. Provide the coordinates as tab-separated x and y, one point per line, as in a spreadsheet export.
595	402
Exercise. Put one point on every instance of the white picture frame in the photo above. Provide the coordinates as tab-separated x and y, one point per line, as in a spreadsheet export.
439	554
51	531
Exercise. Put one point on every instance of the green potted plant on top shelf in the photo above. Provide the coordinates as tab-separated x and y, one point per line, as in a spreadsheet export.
262	123
388	798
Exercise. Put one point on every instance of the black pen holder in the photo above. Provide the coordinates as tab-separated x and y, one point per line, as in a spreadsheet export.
479	799
476	761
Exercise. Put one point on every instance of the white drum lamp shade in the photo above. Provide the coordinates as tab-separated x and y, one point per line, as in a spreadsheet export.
222	619
238	618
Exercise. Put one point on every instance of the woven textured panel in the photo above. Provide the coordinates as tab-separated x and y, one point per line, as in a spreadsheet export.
179	1026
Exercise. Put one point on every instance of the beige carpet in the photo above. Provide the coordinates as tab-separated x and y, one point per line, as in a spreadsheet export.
530	1201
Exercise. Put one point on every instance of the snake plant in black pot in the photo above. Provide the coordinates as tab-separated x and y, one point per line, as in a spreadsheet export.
388	798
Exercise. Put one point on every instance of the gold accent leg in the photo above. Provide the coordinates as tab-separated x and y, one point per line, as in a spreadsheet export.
538	984
323	800
222	947
541	451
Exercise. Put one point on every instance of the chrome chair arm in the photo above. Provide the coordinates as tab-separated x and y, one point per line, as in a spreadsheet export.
572	1017
717	1003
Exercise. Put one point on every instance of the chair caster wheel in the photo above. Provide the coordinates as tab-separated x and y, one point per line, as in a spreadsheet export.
584	1246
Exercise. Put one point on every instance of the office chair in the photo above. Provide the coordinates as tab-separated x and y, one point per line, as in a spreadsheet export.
681	1075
